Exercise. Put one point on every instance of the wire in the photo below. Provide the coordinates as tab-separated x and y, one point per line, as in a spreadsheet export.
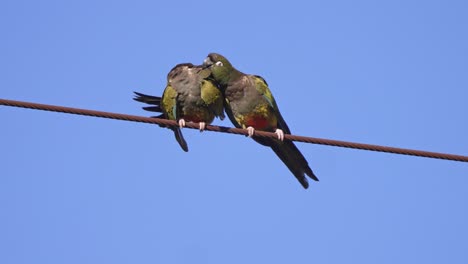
150	120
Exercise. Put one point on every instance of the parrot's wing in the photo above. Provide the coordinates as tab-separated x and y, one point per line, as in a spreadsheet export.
212	97
169	103
230	114
171	108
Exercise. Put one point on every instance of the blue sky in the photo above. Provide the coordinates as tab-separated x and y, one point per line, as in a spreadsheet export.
79	189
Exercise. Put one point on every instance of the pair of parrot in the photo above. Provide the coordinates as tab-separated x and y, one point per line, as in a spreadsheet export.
199	93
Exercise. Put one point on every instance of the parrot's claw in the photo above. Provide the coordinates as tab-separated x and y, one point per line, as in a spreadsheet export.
202	126
181	123
251	131
280	134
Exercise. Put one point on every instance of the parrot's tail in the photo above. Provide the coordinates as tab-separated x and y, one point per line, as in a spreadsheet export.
155	103
151	100
291	157
180	138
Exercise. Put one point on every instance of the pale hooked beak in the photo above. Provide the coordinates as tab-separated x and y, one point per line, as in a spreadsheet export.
207	62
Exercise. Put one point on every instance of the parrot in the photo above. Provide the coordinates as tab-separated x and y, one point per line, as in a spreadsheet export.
190	96
250	105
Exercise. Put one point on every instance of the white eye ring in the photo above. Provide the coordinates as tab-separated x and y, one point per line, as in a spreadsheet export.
218	63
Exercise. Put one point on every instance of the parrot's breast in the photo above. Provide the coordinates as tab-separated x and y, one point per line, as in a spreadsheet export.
198	115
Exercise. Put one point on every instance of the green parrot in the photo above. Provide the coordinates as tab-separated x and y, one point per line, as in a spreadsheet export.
190	96
250	105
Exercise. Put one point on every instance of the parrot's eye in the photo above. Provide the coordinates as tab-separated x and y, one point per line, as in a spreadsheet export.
218	63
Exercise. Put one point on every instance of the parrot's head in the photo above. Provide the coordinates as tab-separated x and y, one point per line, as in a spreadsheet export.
221	68
182	67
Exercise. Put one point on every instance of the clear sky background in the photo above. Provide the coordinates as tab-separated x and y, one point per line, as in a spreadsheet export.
77	189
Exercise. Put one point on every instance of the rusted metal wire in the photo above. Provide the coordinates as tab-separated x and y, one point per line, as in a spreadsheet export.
321	141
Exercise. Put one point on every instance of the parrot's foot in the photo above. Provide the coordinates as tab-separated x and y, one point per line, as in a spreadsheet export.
251	131
280	134
181	123
202	126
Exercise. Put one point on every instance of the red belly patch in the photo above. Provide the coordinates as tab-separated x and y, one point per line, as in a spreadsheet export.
257	122
193	118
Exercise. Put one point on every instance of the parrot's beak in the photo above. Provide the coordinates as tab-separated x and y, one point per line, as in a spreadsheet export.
207	62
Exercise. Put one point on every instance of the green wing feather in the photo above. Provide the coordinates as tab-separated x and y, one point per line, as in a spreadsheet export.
169	103
213	98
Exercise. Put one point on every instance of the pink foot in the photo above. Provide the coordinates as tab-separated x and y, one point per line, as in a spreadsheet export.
280	134
202	126
251	131
181	123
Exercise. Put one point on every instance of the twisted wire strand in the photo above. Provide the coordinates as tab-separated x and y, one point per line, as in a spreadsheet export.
313	140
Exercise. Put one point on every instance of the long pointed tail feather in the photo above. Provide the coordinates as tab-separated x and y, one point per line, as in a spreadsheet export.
147	99
291	157
180	138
